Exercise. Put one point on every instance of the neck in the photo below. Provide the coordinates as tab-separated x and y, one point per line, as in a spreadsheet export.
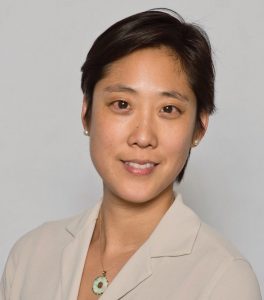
126	226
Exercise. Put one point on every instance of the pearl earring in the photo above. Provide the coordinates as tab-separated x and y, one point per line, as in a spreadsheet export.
86	132
196	143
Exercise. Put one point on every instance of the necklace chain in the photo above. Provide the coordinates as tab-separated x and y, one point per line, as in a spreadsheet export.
100	246
100	239
100	283
100	242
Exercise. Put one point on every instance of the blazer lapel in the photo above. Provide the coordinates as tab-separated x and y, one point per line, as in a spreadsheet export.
74	254
134	272
175	235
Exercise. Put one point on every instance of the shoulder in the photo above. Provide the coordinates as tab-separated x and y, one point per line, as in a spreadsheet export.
235	280
41	246
233	276
210	239
51	235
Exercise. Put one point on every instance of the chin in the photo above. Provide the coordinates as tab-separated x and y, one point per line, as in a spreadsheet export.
137	195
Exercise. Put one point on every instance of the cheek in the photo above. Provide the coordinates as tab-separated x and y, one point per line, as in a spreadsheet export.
179	140
101	146
177	147
100	138
104	136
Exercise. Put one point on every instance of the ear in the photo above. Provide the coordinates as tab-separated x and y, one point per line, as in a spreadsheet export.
83	114
200	129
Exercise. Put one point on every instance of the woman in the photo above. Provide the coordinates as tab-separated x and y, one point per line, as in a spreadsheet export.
148	84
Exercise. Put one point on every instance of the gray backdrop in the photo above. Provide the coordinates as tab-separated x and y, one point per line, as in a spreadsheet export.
45	170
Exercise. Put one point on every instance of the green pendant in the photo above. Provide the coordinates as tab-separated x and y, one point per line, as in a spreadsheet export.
100	284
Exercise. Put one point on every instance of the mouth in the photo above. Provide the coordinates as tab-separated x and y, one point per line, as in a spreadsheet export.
140	167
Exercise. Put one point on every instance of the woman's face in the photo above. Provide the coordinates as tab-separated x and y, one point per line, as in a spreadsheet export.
142	125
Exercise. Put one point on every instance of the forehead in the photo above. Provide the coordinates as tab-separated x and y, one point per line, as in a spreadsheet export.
155	55
148	69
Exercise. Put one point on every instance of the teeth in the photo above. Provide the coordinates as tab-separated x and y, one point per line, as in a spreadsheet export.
138	166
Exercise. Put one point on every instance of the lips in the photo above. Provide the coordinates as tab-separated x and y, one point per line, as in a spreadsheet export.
140	167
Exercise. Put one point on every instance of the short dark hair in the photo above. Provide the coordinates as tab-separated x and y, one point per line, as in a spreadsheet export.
155	28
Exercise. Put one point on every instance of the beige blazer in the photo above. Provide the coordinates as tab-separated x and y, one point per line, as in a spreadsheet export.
183	259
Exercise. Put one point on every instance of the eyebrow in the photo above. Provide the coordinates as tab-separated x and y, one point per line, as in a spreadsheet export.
119	88
176	95
123	88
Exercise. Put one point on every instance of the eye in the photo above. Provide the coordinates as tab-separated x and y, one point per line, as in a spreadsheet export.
170	111
120	105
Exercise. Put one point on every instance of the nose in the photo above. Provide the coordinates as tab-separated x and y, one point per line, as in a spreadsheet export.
143	133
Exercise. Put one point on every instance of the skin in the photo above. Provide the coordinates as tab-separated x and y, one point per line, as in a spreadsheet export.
144	111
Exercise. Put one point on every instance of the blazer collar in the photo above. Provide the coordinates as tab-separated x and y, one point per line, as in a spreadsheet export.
133	273
88	218
176	233
174	236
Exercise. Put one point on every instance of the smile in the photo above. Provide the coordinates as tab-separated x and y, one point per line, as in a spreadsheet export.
139	168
